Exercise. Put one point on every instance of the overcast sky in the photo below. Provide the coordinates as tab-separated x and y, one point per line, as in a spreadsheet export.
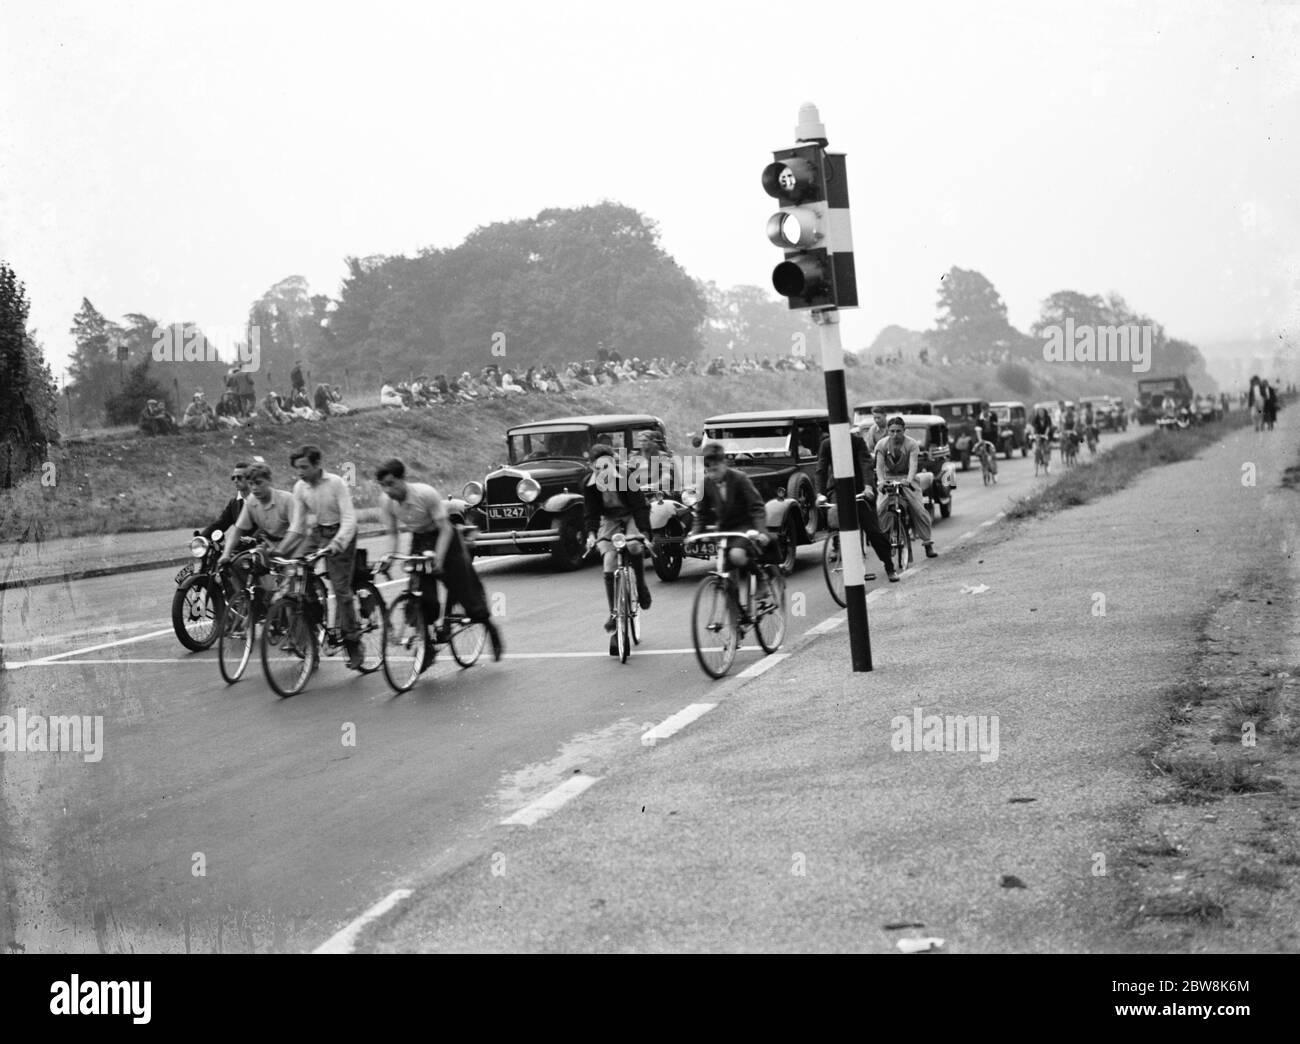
178	158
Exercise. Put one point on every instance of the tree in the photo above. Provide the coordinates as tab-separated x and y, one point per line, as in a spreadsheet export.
141	386
93	366
28	403
1070	304
972	319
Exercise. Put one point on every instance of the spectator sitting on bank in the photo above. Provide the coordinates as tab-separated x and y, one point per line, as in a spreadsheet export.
273	410
508	384
155	420
321	399
337	406
228	410
388	396
198	414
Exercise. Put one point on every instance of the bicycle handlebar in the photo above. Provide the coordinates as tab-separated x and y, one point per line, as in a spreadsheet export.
751	536
305	560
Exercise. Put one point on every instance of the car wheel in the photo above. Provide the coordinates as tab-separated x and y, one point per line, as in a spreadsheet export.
945	506
800	490
568	551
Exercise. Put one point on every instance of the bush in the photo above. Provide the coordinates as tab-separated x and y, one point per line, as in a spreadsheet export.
1017	378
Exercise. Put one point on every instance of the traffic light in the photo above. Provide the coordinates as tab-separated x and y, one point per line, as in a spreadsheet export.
812	227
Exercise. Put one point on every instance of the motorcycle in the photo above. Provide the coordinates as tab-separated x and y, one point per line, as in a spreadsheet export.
670	522
199	599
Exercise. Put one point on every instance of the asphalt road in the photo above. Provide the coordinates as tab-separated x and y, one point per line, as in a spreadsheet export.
224	819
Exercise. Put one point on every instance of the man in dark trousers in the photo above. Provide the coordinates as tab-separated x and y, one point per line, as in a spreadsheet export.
867	519
729	500
612	506
295	378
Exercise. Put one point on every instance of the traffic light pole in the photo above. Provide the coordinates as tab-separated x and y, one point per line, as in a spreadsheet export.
837	408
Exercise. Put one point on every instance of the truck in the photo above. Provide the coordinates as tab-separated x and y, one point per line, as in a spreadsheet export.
1162	396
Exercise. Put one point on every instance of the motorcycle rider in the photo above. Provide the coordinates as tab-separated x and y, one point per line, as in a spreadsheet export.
896	461
234	506
323	515
729	500
417	508
265	516
867	507
613	506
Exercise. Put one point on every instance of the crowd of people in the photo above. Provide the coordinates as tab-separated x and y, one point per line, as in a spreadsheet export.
239	406
493	382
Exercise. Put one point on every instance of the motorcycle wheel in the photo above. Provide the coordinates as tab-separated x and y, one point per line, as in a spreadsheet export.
196	612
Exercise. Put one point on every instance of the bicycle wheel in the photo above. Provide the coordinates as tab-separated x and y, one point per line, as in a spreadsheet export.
833	568
196	612
622	606
290	652
770	612
238	633
468	637
404	643
901	541
715	626
636	620
368	604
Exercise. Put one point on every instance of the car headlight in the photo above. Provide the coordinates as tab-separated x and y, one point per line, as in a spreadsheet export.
690	497
199	546
619	541
527	490
472	494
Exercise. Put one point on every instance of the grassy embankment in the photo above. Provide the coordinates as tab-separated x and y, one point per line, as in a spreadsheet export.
126	483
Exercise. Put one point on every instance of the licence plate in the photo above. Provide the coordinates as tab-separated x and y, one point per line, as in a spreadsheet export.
703	548
506	511
185	570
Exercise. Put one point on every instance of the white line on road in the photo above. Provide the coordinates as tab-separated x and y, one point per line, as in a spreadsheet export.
830	623
550	801
765	664
343	941
676	723
41	661
965	536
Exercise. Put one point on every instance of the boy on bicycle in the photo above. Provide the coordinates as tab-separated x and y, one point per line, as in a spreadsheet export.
265	516
417	508
896	461
729	501
613	506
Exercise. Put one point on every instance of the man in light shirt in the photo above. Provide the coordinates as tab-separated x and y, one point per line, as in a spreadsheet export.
323	517
418	509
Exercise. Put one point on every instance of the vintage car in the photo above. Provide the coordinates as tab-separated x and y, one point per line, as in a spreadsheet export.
533	503
1012	420
1208	409
1162	397
962	417
1104	411
777	449
892	407
931	432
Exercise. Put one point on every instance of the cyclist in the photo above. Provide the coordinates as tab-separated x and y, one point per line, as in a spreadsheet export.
896	461
986	440
234	506
266	514
729	500
1090	429
1043	426
613	506
417	508
1069	428
867	507
323	516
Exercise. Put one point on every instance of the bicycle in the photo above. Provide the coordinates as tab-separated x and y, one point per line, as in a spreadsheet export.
833	563
407	641
242	611
988	463
718	620
296	625
1070	448
1042	454
896	523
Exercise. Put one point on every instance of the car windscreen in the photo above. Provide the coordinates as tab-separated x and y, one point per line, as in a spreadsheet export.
758	440
957	412
921	433
569	440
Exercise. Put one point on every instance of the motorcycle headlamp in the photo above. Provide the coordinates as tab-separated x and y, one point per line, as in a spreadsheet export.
199	546
619	541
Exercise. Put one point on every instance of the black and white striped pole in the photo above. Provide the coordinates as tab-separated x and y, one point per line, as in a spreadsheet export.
812	227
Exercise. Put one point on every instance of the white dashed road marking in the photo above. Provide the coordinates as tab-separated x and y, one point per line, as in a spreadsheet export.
676	723
343	940
765	664
550	801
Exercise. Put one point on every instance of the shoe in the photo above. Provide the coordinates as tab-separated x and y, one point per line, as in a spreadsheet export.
930	552
868	576
893	576
498	646
611	623
442	634
643	597
430	655
613	645
355	656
